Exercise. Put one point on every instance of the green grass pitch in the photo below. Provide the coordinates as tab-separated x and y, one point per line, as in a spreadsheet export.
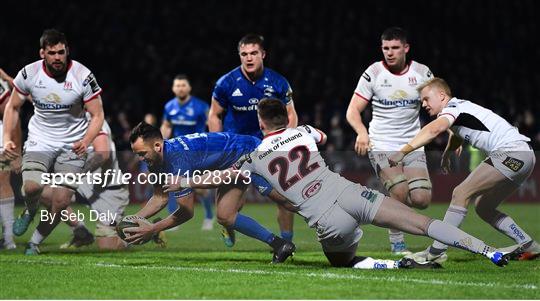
196	265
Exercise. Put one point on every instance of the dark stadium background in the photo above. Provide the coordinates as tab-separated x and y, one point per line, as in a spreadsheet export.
486	50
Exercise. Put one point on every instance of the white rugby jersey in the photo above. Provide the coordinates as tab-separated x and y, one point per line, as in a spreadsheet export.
4	91
479	126
290	161
395	101
58	106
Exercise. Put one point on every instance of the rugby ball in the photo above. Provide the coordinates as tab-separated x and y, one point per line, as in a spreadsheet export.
130	221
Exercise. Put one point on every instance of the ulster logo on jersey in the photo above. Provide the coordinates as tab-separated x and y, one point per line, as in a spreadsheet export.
237	93
412	81
311	189
68	85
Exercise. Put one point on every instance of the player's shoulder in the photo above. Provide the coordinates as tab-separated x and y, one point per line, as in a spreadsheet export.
421	69
79	70
199	101
230	77
374	69
170	104
31	70
274	75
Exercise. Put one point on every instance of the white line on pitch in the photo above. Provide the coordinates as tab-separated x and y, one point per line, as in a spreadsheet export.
327	275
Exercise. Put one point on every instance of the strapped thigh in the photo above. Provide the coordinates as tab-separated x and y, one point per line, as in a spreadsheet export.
389	184
419	183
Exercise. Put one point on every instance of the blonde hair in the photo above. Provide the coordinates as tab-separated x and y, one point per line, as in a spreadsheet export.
436	82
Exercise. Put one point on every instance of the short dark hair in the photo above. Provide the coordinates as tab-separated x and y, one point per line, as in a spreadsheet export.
145	131
394	33
51	37
273	112
182	76
252	39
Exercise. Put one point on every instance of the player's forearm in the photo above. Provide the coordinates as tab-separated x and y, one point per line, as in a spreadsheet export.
166	131
354	118
424	137
10	121
214	123
96	122
180	216
153	206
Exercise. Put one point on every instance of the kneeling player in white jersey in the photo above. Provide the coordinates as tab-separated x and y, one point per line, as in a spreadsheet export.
390	87
289	159
510	162
58	133
107	199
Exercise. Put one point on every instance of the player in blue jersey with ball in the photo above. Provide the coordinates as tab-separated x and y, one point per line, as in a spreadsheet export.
186	114
198	154
236	96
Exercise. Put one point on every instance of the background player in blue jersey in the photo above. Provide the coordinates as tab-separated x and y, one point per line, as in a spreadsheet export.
186	114
237	94
199	152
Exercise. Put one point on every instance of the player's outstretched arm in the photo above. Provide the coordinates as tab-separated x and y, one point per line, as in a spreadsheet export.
183	214
354	118
214	119
424	137
155	204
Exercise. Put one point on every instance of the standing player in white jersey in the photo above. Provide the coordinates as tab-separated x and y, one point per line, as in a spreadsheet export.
390	87
59	133
289	159
510	161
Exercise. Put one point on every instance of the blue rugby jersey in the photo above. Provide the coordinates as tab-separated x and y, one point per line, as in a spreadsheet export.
240	96
186	118
204	151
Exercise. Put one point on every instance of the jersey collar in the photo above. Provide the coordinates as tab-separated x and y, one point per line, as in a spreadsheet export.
276	132
407	67
49	74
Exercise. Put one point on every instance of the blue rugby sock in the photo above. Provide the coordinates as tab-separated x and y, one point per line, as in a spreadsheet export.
250	227
171	204
287	235
207	202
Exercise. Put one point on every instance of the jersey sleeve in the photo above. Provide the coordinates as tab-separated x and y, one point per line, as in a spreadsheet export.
21	83
91	89
450	112
287	93
166	115
4	91
364	88
220	93
246	163
313	133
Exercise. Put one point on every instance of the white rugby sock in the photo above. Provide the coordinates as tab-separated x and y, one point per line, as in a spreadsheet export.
454	216
376	264
453	236
37	238
506	225
395	236
6	214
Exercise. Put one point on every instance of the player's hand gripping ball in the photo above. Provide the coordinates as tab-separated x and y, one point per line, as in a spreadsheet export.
131	229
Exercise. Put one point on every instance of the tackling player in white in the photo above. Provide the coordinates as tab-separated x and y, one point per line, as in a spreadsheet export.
390	87
510	162
289	159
